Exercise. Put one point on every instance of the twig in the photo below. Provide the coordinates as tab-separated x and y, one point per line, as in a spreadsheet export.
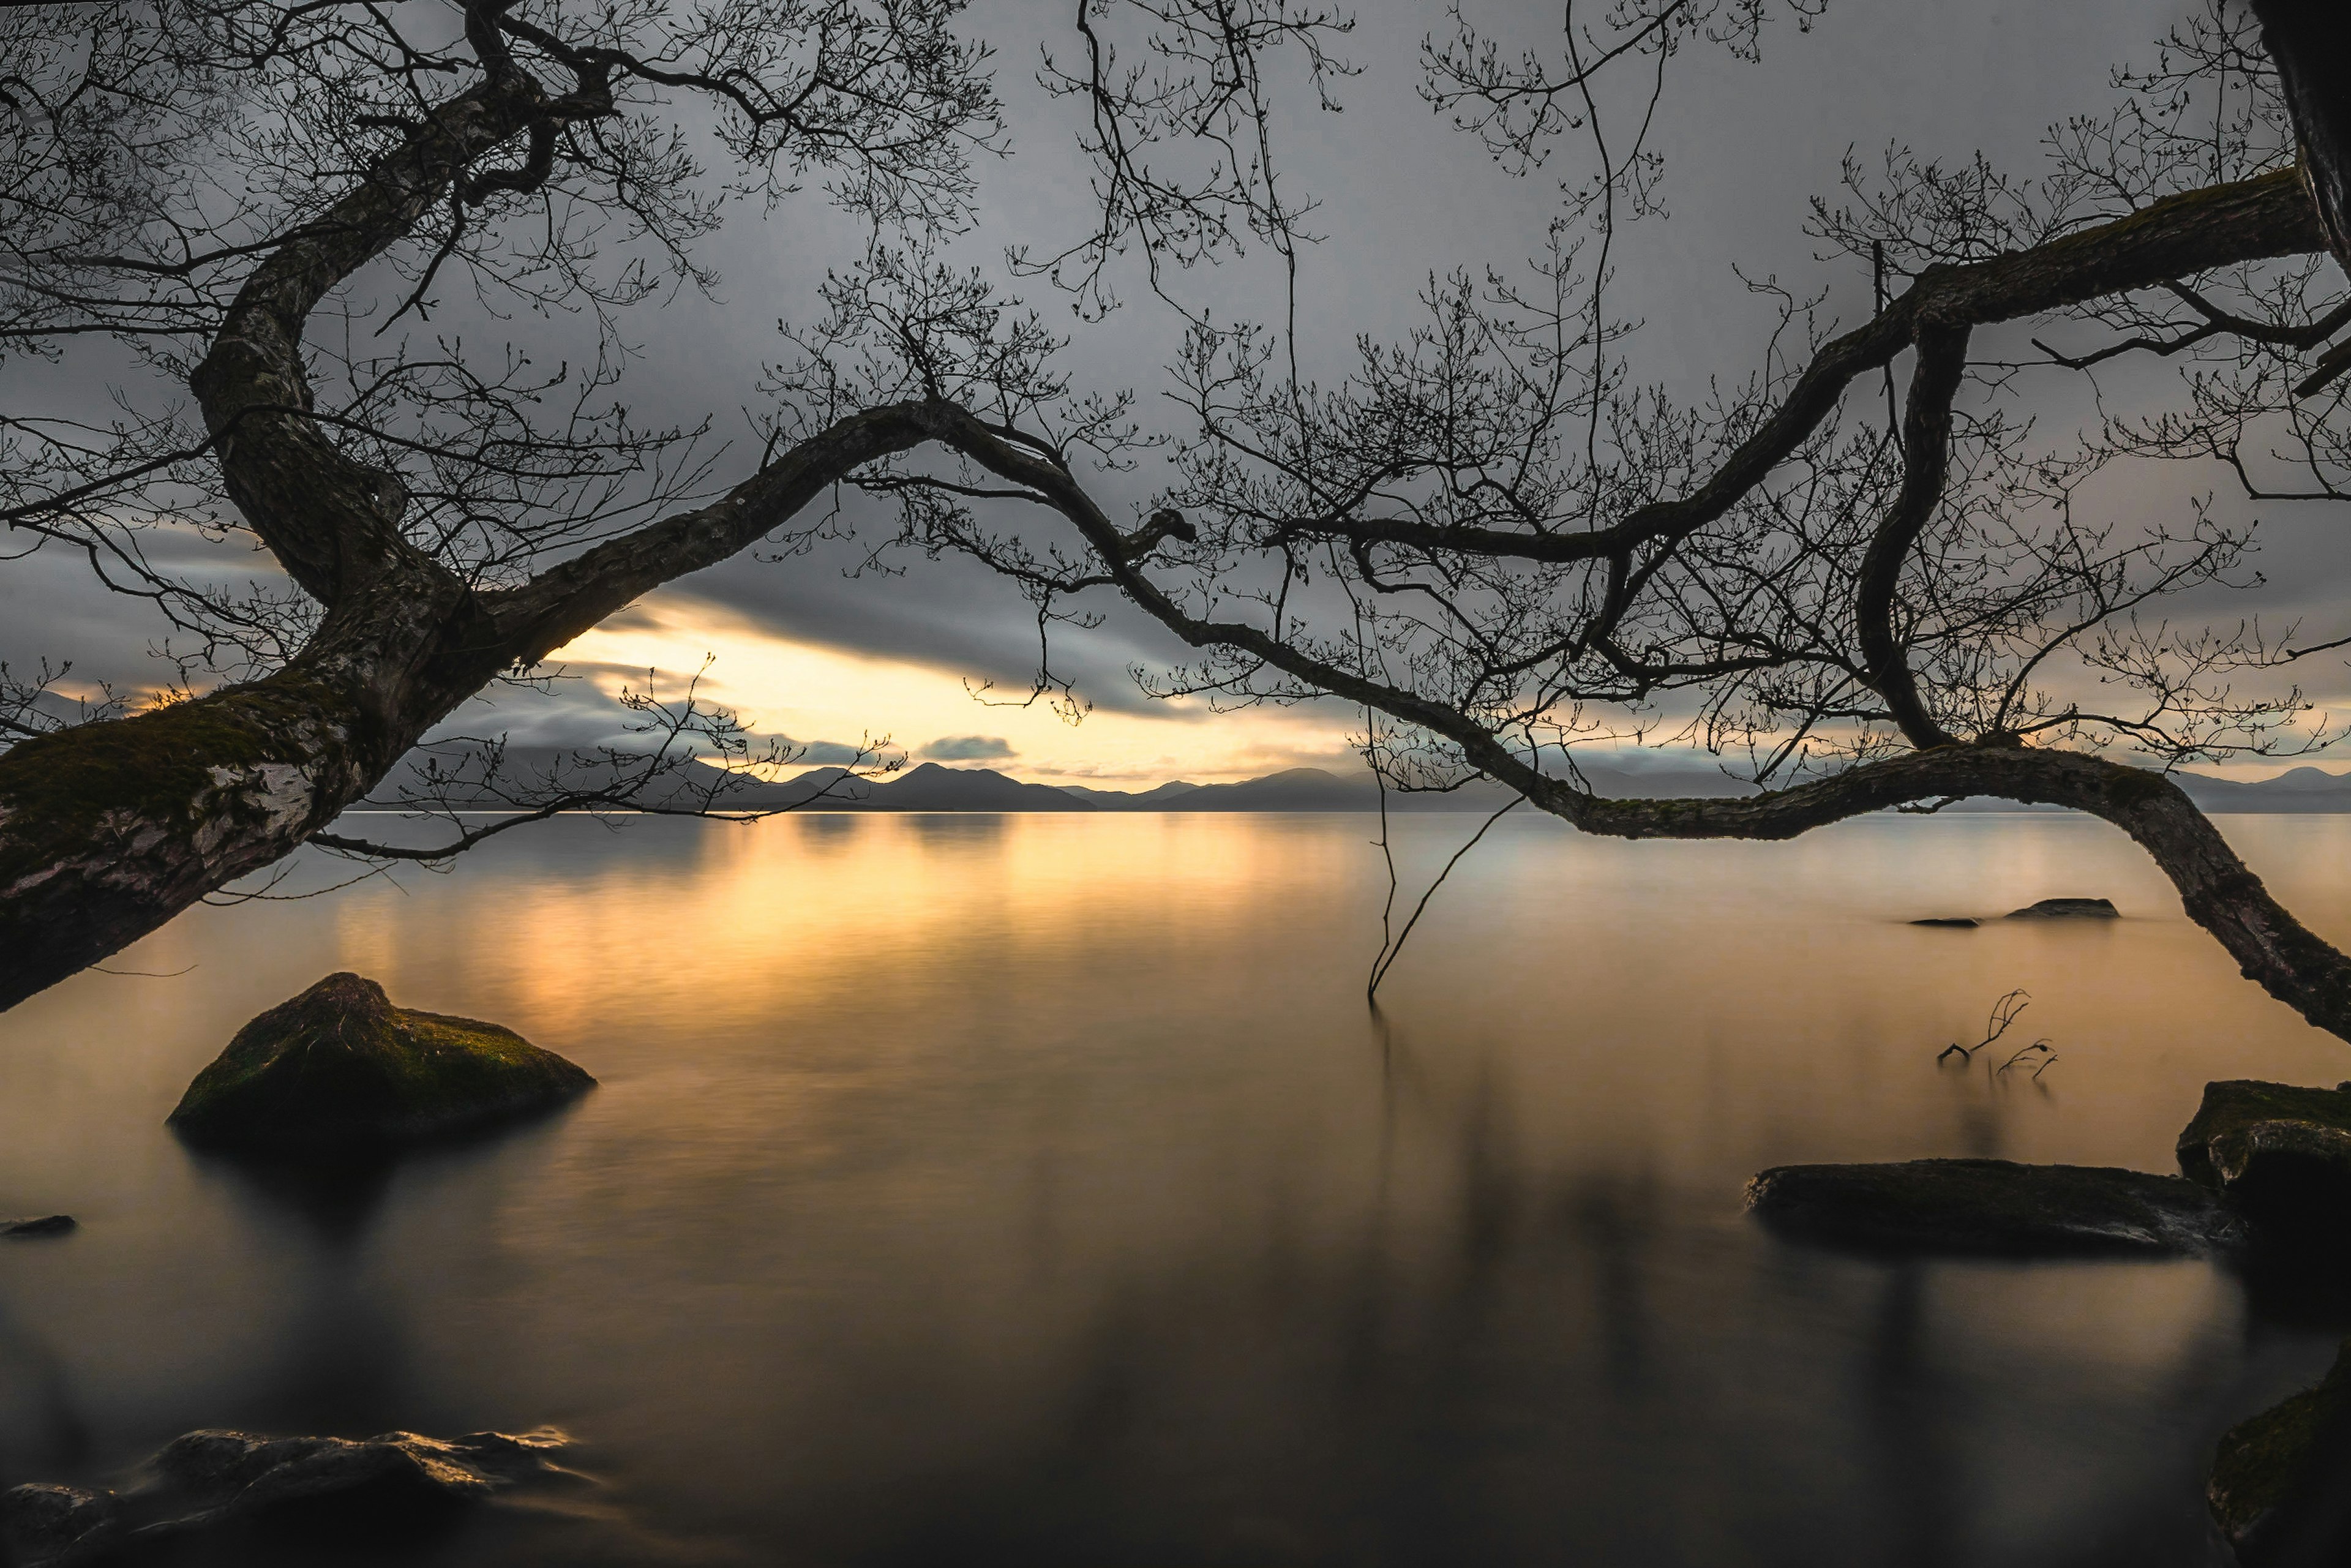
1390	952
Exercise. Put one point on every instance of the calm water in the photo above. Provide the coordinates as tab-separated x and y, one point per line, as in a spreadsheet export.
1038	1190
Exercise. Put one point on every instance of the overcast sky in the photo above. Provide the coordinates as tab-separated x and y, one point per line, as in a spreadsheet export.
808	652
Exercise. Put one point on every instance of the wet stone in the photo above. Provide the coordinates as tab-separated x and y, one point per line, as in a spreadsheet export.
340	1069
1993	1207
209	1479
2068	909
2269	1490
48	1225
2279	1153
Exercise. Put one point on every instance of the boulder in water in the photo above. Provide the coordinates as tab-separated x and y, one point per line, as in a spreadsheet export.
2265	1482
1962	922
48	1225
2068	909
341	1068
2282	1150
212	1477
1994	1208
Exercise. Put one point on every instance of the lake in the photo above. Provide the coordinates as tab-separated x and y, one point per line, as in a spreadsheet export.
1039	1190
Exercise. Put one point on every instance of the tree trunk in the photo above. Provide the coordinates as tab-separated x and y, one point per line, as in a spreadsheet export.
107	830
2310	41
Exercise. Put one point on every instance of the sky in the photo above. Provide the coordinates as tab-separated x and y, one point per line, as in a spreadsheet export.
811	649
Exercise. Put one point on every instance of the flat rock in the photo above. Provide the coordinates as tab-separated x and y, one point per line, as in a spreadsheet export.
48	1225
341	1068
210	1477
2272	1147
1993	1207
2263	1482
1964	922
2068	909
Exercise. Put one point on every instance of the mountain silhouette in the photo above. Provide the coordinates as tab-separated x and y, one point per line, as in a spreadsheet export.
932	788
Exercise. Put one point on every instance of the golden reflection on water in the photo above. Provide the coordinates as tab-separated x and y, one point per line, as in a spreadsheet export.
1041	1187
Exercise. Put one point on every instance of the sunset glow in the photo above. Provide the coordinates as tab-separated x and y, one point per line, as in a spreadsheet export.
813	692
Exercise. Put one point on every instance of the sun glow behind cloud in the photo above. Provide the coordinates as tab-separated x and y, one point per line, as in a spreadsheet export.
811	692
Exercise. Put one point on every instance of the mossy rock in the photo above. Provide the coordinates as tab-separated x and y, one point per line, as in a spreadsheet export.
2068	909
2259	1466
1992	1208
2241	1120
2271	1144
339	1068
340	1492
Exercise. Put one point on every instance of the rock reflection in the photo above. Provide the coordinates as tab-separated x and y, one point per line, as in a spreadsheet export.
1905	1405
42	1430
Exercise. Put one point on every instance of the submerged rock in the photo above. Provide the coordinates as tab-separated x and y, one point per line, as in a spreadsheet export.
1993	1207
212	1477
1967	922
2280	1149
48	1225
49	1526
339	1068
2068	909
2269	1498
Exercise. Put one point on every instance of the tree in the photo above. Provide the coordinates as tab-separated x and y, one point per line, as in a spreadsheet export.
194	188
1490	536
1498	542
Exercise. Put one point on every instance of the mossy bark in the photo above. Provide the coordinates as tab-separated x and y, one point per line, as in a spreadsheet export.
109	830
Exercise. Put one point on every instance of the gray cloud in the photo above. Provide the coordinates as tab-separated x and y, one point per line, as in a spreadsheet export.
572	714
967	748
829	754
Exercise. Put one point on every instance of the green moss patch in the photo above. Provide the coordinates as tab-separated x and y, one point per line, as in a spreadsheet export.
155	768
340	1067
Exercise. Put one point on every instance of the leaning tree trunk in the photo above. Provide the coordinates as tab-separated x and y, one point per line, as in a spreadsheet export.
2310	42
107	830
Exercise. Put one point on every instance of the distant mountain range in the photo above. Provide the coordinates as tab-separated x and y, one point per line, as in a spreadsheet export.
931	788
2296	789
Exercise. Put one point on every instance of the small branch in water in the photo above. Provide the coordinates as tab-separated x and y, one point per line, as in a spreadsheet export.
1390	951
2003	1013
2041	1045
1387	849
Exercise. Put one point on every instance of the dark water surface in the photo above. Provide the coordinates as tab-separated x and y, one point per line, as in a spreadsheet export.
1037	1190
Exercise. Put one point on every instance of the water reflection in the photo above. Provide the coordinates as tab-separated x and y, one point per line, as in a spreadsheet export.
42	1430
1038	1190
965	830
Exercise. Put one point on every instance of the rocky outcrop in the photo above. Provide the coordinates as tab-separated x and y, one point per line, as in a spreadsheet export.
339	1068
1961	922
2068	909
2280	1150
48	1225
210	1479
2264	1480
2266	1171
1993	1207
